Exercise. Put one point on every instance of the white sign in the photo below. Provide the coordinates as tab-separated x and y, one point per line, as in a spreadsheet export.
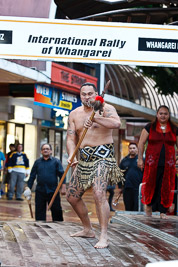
88	41
23	115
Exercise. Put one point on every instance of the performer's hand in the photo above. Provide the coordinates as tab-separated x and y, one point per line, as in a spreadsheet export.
88	123
63	189
74	163
140	164
27	193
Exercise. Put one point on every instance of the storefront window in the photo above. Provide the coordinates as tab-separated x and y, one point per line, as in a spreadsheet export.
54	138
57	147
44	136
30	143
19	134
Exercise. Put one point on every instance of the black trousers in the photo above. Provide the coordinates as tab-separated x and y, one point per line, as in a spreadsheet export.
130	197
156	200
41	200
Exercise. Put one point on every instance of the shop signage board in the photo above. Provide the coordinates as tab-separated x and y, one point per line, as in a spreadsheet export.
69	79
51	97
88	41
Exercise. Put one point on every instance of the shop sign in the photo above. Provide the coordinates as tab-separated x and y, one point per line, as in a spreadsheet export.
68	78
22	115
51	97
88	41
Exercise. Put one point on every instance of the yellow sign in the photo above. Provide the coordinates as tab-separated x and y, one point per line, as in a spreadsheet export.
65	104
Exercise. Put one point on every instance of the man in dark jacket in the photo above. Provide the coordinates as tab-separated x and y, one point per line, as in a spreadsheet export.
47	169
133	177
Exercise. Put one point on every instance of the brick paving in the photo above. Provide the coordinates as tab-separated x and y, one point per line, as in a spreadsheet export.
134	240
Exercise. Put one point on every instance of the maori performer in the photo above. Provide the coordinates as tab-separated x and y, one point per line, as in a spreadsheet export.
96	166
159	170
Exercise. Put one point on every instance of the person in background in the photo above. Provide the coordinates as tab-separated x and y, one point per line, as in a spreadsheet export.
2	159
18	167
2	166
46	169
173	208
7	174
133	177
159	170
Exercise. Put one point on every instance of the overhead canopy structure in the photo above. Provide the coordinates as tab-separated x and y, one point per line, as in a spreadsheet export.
136	11
129	85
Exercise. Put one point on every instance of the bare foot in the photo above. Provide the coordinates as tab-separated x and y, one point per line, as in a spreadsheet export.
148	210
163	216
84	233
102	243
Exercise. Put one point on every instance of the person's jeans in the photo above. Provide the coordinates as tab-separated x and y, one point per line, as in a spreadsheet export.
16	179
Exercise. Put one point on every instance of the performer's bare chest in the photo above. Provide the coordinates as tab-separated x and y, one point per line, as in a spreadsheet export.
80	121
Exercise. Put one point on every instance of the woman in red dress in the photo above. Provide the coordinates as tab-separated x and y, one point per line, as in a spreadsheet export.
159	170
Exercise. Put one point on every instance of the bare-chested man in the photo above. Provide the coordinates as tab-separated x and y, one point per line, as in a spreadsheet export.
96	165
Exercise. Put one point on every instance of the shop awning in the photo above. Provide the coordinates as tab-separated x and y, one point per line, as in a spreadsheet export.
11	72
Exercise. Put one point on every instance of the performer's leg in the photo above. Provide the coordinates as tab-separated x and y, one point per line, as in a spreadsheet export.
74	197
148	210
102	208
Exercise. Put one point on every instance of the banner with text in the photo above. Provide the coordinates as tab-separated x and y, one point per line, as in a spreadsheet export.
88	41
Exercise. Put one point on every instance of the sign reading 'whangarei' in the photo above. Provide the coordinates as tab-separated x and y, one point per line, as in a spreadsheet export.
88	41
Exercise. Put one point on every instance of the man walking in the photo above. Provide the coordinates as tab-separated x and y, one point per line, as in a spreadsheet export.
133	177
97	165
18	167
46	169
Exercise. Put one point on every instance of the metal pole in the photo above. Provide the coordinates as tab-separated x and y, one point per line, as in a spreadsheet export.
139	197
102	77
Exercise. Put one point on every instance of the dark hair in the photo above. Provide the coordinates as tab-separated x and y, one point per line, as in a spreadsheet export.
172	125
132	143
12	145
89	84
46	144
163	106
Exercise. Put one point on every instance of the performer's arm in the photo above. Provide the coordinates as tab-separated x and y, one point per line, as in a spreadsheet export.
110	119
71	138
141	144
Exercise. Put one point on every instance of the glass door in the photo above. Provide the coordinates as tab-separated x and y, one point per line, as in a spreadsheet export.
19	134
58	145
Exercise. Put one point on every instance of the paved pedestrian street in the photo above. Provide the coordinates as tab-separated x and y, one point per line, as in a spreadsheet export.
134	240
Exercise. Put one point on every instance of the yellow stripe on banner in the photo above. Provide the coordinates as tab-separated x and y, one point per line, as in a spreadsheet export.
89	25
95	59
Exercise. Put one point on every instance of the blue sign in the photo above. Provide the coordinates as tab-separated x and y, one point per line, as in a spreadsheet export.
51	97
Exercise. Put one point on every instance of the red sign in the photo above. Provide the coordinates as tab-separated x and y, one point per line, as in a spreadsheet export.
69	79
